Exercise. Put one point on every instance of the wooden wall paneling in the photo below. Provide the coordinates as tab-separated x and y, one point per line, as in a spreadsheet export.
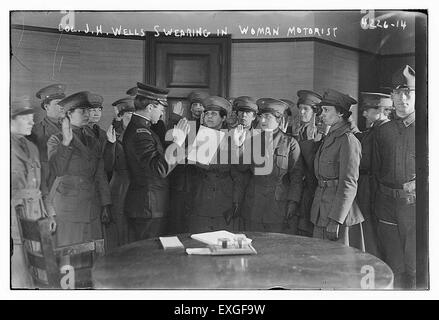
271	69
40	59
338	69
109	67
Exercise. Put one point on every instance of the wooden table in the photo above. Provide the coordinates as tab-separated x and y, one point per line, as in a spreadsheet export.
283	261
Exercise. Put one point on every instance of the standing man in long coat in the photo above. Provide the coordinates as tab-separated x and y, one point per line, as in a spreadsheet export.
336	167
42	131
376	109
25	191
82	197
115	164
265	208
394	169
149	164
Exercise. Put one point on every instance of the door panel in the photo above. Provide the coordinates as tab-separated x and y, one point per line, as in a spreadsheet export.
183	65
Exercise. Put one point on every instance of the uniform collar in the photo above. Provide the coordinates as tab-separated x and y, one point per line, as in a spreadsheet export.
51	120
142	118
341	128
409	120
379	123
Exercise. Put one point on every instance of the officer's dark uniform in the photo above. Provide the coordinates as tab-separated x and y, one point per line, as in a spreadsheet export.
366	187
266	198
42	131
394	168
147	200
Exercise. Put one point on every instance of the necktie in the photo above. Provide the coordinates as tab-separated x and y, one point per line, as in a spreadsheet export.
83	136
23	145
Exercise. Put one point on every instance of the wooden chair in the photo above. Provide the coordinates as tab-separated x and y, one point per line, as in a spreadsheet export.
54	263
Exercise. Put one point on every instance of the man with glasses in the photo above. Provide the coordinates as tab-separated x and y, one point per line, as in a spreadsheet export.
149	164
394	169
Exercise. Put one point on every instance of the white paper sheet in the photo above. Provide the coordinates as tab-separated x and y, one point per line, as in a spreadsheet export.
205	145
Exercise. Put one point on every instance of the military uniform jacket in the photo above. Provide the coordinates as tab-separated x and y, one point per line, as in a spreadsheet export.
366	185
41	132
82	187
99	134
25	182
267	190
337	161
393	161
149	188
217	187
114	155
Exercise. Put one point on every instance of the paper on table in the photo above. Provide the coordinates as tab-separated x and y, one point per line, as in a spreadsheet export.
171	242
199	251
211	238
205	145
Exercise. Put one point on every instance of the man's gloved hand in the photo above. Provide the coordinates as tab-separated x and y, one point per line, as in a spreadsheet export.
52	224
292	209
106	217
332	230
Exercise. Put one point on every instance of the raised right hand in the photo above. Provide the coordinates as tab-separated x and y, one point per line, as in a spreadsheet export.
111	134
67	134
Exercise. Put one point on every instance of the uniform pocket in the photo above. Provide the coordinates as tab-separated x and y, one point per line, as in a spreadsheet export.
281	160
329	169
68	189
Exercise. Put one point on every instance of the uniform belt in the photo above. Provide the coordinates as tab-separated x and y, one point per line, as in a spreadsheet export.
328	183
26	194
395	193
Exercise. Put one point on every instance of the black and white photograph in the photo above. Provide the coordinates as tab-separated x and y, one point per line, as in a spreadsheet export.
234	150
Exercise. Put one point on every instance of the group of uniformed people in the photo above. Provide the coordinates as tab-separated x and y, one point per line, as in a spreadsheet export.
326	179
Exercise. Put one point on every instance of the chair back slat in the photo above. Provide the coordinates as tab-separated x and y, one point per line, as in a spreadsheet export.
29	229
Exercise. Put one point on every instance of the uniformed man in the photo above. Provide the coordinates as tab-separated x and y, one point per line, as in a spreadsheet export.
376	108
82	197
264	206
25	191
147	201
42	131
394	169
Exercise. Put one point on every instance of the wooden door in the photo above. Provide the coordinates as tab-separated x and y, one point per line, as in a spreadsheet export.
183	65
